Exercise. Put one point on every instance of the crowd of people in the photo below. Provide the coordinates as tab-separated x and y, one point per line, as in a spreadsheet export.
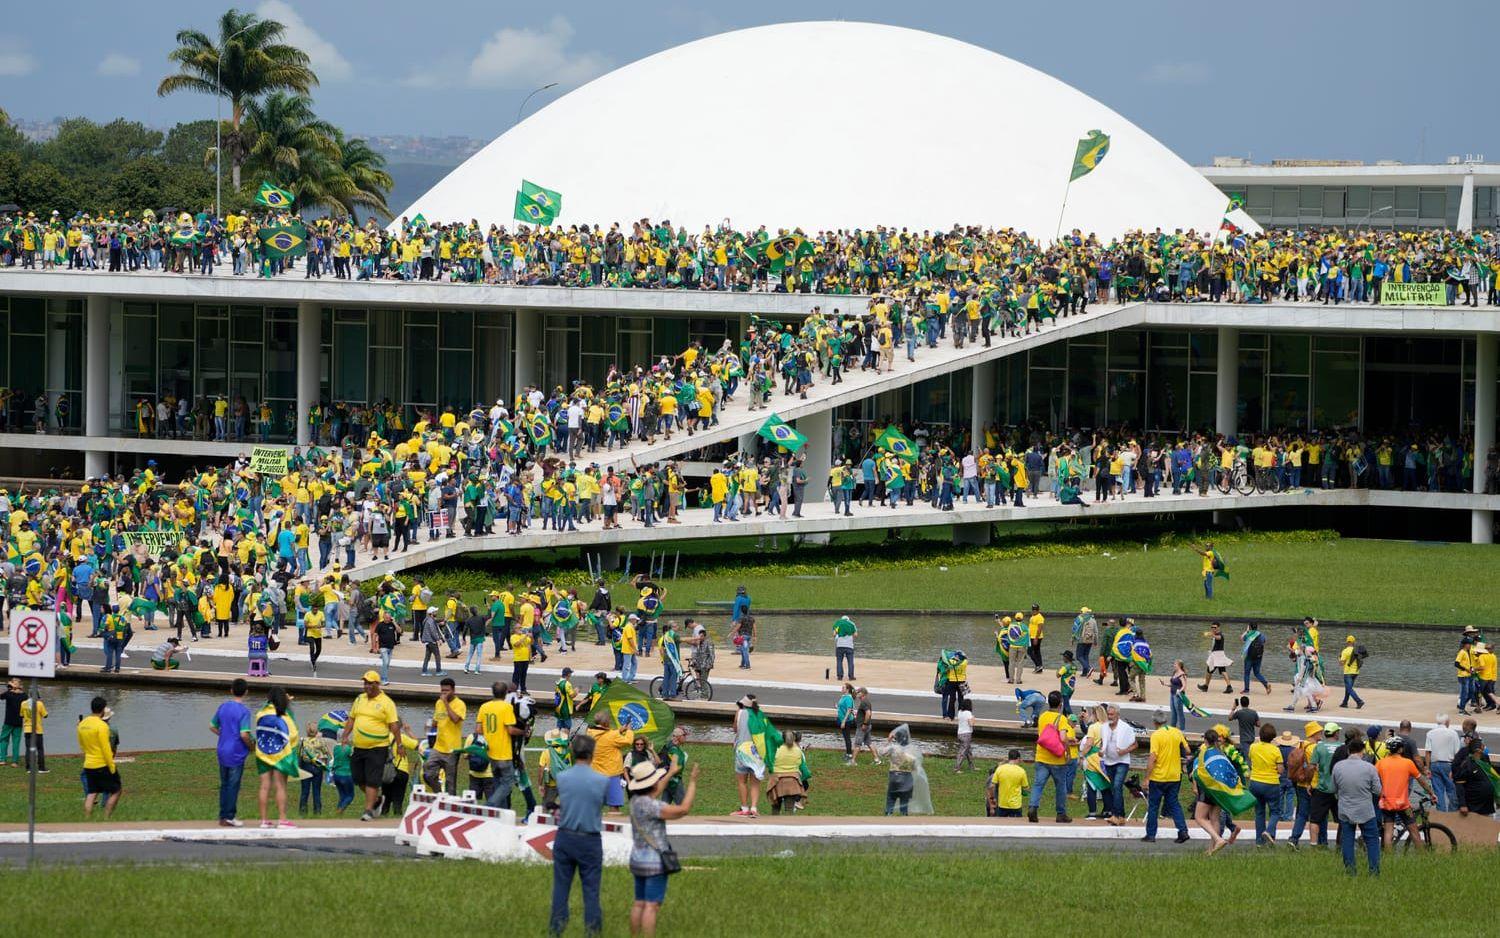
1294	264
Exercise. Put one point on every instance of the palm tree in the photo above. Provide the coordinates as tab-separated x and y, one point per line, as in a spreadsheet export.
247	62
366	172
282	138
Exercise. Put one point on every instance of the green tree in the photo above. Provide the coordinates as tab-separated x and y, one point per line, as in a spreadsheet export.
247	61
365	182
84	149
42	187
189	144
283	136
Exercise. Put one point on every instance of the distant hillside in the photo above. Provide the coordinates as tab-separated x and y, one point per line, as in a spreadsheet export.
413	179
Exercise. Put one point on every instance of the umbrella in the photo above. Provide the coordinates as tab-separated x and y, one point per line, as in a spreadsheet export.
10	207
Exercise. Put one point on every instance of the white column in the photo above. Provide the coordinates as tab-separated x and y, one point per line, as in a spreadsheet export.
818	452
96	382
1482	522
982	409
1226	400
527	336
1466	203
309	353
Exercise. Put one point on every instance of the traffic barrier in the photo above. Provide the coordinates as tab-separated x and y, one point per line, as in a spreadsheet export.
460	827
417	811
537	835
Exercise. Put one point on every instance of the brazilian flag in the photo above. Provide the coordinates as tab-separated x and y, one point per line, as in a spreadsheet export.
629	708
541	431
288	240
275	737
893	441
1091	151
618	421
185	236
786	249
780	432
1222	781
273	197
333	721
1140	655
546	199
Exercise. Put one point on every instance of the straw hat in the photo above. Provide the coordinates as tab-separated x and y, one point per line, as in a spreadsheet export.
1287	739
644	776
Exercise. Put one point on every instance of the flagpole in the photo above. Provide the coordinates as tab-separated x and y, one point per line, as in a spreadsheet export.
1058	234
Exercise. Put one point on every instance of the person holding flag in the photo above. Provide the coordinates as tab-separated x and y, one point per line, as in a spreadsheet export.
1213	566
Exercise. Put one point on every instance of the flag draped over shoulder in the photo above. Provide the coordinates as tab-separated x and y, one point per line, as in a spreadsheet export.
1222	781
1140	655
893	441
1189	706
629	708
765	739
780	432
1091	152
274	197
1220	570
276	740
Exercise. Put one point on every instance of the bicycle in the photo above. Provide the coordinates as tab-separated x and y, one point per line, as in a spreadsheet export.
1266	480
691	686
1235	479
1413	826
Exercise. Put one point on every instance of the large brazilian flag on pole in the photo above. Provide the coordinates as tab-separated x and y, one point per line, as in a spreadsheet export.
780	432
630	709
1090	153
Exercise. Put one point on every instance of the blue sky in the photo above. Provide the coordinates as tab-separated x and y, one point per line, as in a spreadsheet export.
1268	78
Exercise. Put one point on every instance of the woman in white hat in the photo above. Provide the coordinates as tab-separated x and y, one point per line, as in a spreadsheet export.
652	858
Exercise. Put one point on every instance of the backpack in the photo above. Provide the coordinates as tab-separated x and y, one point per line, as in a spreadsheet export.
1361	653
1298	768
1258	646
1051	740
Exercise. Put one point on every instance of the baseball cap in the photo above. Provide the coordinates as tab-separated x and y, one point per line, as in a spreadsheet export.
1331	728
372	677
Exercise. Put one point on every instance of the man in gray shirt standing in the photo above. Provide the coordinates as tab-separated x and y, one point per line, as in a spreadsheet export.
578	846
1356	785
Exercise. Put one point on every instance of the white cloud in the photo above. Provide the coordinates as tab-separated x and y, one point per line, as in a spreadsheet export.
118	65
14	59
327	61
527	58
1177	73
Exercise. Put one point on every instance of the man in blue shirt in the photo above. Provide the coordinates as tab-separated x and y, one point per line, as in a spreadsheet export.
578	846
231	723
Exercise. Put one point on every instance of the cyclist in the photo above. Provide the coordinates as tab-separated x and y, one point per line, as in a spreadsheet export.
1396	772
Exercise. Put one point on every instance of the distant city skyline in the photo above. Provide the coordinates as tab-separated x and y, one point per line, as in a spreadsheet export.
1265	82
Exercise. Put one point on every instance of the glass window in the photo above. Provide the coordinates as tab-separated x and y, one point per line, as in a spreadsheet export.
930	400
1203	391
1333	203
4	347
1127	349
1432	203
349	362
385	327
1127	398
1048	396
1284	203
421	317
1406	201
1051	355
385	375
492	349
421	365
1252	396
1335	401
1288	401
1357	201
633	347
457	376
1086	395
457	329
28	314
1310	201
213	345
350	315
1168	339
28	366
1258	199
176	368
669	336
1203	351
1289	354
1167	391
176	321
246	324
599	337
281	359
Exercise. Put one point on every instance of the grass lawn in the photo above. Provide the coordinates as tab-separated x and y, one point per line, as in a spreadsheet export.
1140	570
183	785
817	892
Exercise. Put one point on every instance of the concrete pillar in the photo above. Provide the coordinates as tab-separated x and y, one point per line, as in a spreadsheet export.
309	353
817	453
1466	203
982	410
96	382
528	341
1227	395
1482	523
971	535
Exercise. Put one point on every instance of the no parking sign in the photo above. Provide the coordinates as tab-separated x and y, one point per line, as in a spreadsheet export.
33	643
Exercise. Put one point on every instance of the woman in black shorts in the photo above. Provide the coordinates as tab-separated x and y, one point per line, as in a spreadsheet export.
1206	812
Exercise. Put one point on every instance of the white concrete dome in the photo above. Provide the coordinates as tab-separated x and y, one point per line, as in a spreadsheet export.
830	125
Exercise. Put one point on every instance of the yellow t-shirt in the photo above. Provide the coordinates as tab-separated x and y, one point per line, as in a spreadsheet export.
1167	743
312	623
41	711
372	718
1010	784
1063	727
627	639
609	750
493	718
93	740
1349	660
1265	763
1034	625
788	761
450	735
520	646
